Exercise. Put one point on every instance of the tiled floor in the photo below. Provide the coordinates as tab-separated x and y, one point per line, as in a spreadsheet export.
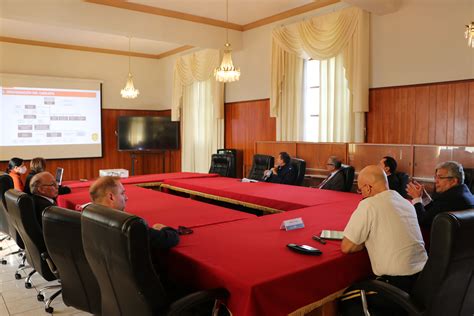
16	300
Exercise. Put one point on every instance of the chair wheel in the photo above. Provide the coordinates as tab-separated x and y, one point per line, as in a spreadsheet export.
4	261
1	248
21	254
28	285
17	276
49	310
40	297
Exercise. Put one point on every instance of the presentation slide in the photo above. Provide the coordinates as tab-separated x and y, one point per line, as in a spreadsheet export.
50	122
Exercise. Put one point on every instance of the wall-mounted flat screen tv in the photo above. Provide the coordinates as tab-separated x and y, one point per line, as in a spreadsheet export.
147	133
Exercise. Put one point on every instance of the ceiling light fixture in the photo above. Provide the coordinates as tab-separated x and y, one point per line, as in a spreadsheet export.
469	34
129	92
226	72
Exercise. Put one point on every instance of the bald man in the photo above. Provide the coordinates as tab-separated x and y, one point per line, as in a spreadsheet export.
44	190
387	226
109	192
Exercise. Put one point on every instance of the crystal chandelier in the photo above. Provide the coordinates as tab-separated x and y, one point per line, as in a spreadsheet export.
469	34
226	72
129	92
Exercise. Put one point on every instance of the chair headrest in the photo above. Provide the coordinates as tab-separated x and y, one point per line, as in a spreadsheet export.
58	214
6	183
108	217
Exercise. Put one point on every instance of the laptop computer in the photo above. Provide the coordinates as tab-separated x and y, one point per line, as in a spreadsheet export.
59	175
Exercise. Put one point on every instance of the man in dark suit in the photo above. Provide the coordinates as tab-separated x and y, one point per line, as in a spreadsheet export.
283	172
336	180
44	189
397	181
451	193
109	192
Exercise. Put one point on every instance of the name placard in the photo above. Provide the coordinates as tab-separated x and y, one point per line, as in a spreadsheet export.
291	224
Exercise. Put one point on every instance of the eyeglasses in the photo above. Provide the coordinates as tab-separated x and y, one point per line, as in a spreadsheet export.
359	190
53	184
438	177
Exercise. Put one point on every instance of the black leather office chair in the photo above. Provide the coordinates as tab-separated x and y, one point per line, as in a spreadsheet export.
469	178
300	166
233	161
221	164
116	246
348	172
6	183
21	209
62	235
445	286
260	163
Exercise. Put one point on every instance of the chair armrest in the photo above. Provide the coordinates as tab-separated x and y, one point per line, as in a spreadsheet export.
392	293
194	299
45	256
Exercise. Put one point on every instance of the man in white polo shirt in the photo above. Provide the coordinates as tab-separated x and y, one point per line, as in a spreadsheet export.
387	226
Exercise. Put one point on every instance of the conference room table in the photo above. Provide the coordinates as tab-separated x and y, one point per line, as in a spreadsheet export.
250	259
145	180
263	196
158	207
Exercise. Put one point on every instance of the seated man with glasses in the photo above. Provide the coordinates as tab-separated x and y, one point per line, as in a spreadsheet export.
385	224
44	190
335	181
451	194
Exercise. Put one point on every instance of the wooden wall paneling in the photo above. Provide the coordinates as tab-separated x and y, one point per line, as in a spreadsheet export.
427	157
245	123
111	158
316	154
274	148
380	117
461	113
441	113
421	115
450	115
470	125
432	114
370	117
410	111
361	155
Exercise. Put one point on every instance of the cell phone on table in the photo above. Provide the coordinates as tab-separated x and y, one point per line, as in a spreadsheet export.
305	249
183	230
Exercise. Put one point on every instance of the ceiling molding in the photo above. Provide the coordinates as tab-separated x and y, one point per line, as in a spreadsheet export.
214	22
287	14
93	49
174	51
165	12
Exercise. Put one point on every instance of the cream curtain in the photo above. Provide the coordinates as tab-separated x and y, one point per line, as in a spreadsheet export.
344	33
198	102
289	94
338	120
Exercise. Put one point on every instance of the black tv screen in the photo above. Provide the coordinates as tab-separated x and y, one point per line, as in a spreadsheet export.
147	133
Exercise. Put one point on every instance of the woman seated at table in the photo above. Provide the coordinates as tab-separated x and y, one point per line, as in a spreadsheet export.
16	168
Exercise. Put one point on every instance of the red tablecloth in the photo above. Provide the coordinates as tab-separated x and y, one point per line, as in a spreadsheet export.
276	196
147	178
251	260
157	207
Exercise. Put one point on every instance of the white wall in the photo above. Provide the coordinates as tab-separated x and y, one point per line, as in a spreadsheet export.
422	42
111	69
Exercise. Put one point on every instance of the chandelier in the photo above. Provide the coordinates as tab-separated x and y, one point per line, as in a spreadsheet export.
226	72
469	34
129	92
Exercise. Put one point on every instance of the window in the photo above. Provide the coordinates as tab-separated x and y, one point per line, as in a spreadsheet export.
327	108
311	100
